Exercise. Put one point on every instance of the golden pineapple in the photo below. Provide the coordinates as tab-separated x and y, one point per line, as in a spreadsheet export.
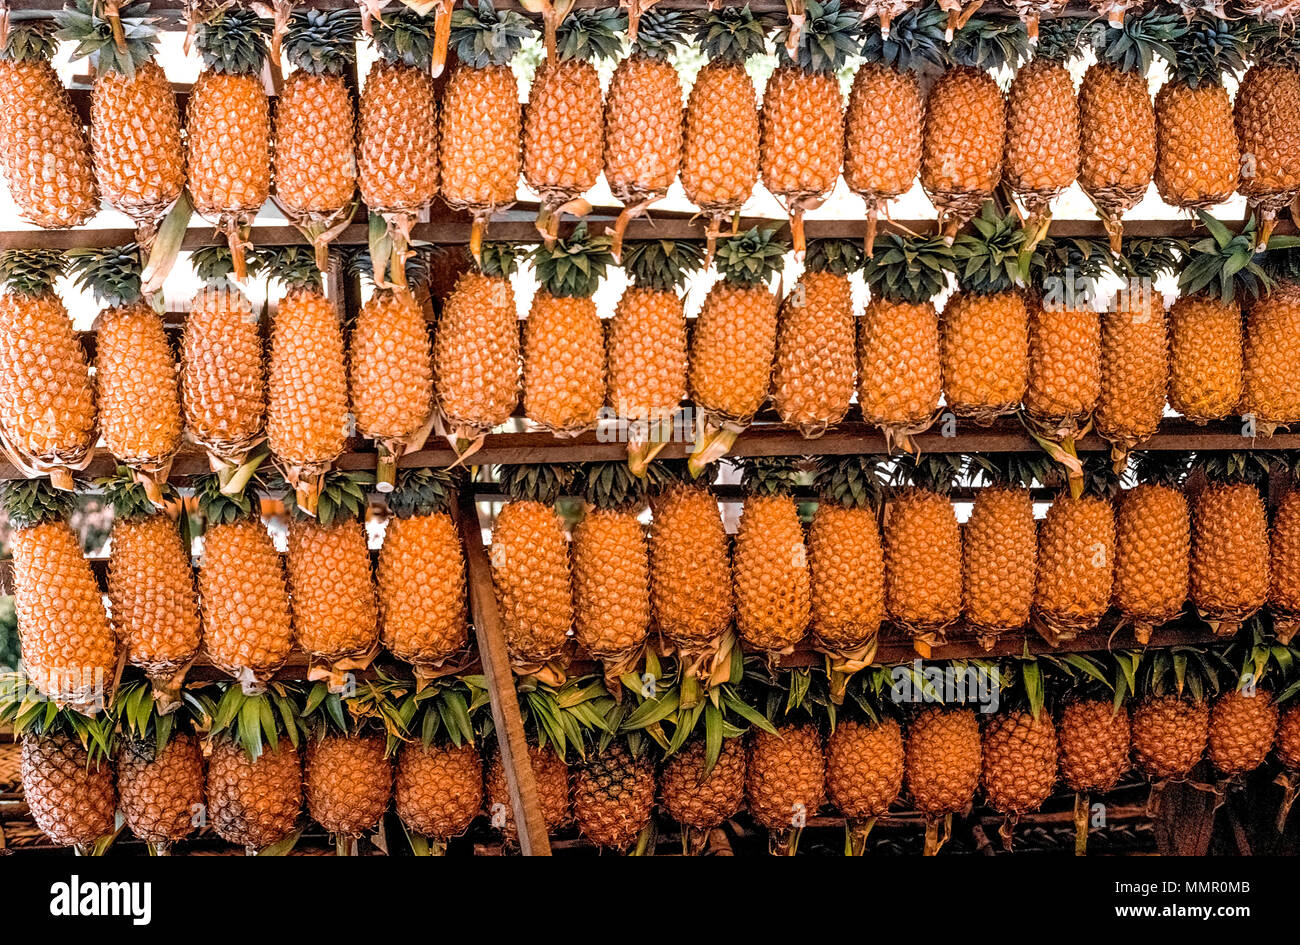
552	777
1270	373
1288	738
700	798
69	790
439	788
1076	559
864	772
1229	566
1169	735
1000	548
47	402
613	797
1094	741
817	316
348	781
228	124
772	579
1266	113
1243	724
43	148
564	340
1284	566
1152	545
69	652
785	781
421	574
1020	754
1064	363
943	767
1206	369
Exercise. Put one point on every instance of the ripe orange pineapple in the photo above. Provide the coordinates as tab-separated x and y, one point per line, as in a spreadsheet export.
817	315
1243	724
701	798
439	789
943	767
43	148
1076	557
1284	566
864	773
613	797
135	125
1266	113
1229	567
785	782
772	578
1171	719
1270	372
564	340
1000	547
1094	739
47	403
228	124
1020	755
552	777
421	573
1153	544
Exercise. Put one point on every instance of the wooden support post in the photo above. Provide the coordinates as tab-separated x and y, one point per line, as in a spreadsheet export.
509	723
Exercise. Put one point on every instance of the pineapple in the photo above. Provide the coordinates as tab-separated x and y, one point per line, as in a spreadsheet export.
847	564
699	797
332	592
785	781
152	600
817	315
69	652
1094	740
772	579
307	381
1152	545
247	626
47	402
530	565
965	121
1229	565
864	772
564	128
228	123
923	579
1117	122
564	340
900	372
223	387
481	117
1288	738
802	131
613	796
421	574
1170	722
315	135
883	120
135	125
1266	113
254	789
43	148
611	569
720	142
1270	374
1020	751
552	777
1284	565
390	372
135	370
644	119
733	343
646	345
1197	158
984	329
1243	723
944	761
1000	547
1076	557
476	348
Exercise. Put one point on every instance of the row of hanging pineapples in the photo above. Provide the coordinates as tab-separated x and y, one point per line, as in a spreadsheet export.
963	137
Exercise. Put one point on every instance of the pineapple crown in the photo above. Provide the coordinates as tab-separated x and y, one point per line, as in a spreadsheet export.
573	268
232	40
915	42
1131	46
936	472
242	500
257	721
591	35
498	260
1225	263
989	44
1179	671
908	268
731	34
447	710
86	23
373	706
32	502
1022	684
113	275
128	497
360	263
661	265
32	714
422	491
1209	49
769	475
291	266
31	272
322	42
542	482
826	41
567	716
1008	469
1245	466
29	41
215	264
1149	257
144	719
661	33
839	257
344	497
799	696
483	36
1272	44
612	485
1161	467
851	481
1095	477
1072	265
993	258
750	259
1061	39
403	36
662	474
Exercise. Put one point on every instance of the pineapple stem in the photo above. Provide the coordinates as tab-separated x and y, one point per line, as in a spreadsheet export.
437	848
1081	807
713	445
645	841
855	836
342	846
937	832
476	232
441	34
61	478
385	469
234	479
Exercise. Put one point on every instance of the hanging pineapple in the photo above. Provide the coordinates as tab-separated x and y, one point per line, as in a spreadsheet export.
944	760
720	145
228	123
1094	733
1284	561
614	794
1000	546
1018	745
1266	113
43	148
47	401
1229	569
1270	395
1171	718
865	759
785	782
315	138
135	126
802	142
646	346
813	392
564	340
733	343
1152	544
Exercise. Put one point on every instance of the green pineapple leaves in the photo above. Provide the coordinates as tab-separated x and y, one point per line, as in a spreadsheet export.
573	268
484	36
750	259
85	23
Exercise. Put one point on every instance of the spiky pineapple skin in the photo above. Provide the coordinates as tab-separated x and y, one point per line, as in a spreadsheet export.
900	378
481	125
613	797
701	801
611	583
802	133
331	589
785	776
1019	761
564	130
421	582
882	132
646	355
1206	364
772	578
817	315
161	793
564	363
307	381
253	803
228	137
1117	137
1042	145
999	560
398	154
1271	375
315	144
476	353
1197	159
1152	554
943	760
732	346
71	798
552	777
1076	564
1265	110
531	574
847	565
1229	567
136	385
1242	728
965	127
223	387
1284	558
1288	738
439	789
1135	369
690	567
923	579
1064	362
984	345
1169	735
135	131
643	128
391	370
1094	741
348	781
864	767
720	157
